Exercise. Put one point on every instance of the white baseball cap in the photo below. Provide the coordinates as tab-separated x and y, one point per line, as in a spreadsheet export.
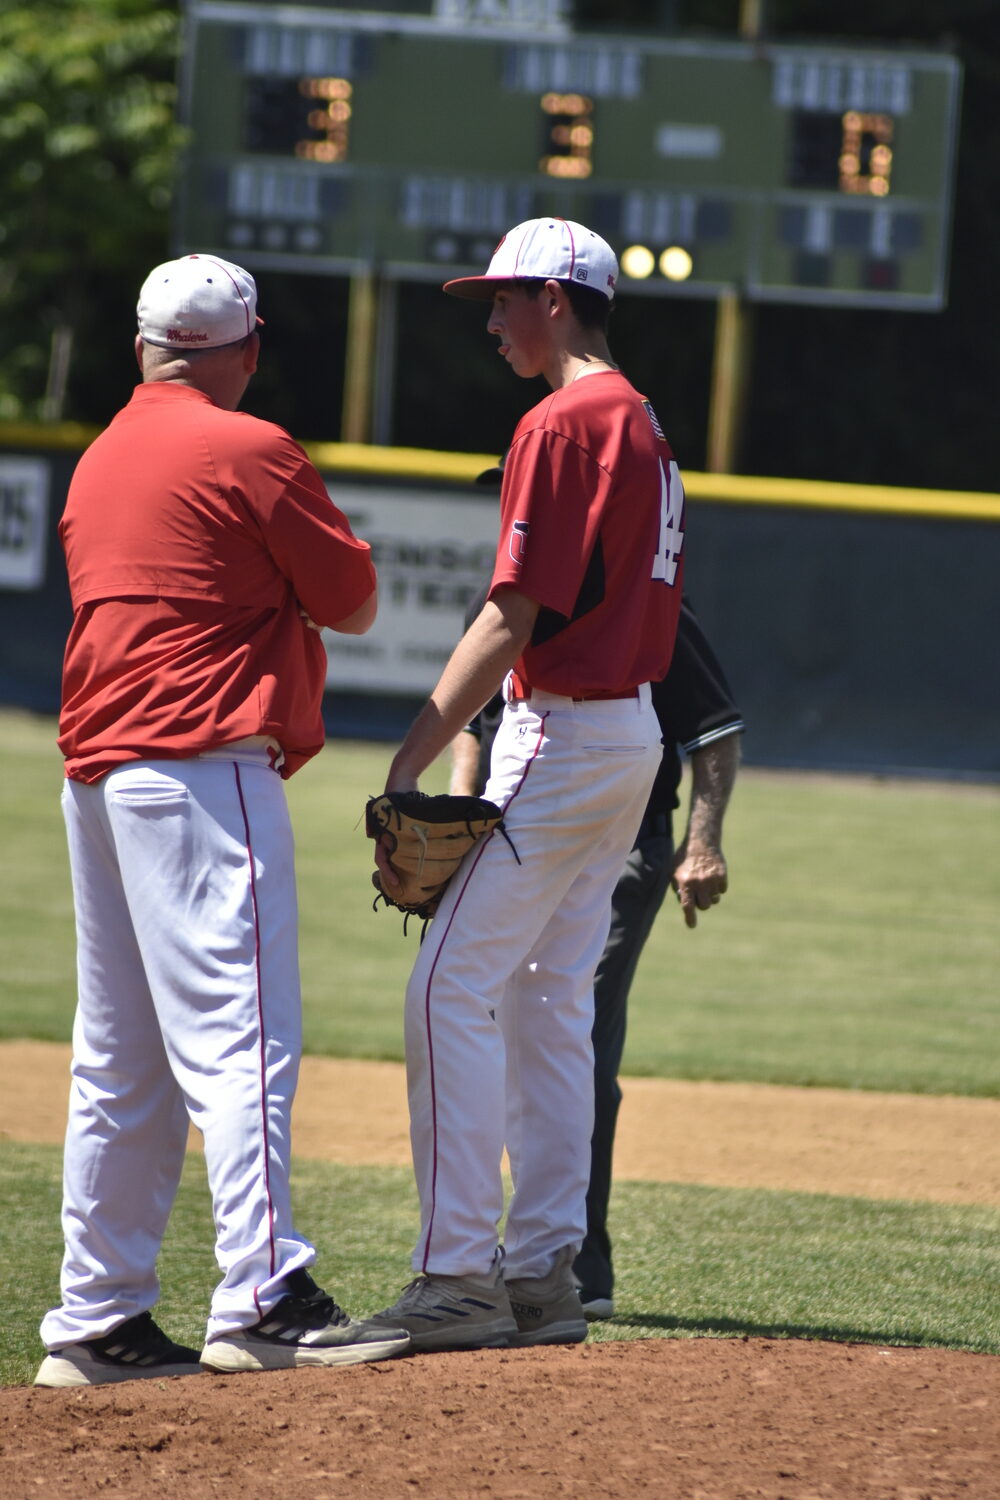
545	249
197	302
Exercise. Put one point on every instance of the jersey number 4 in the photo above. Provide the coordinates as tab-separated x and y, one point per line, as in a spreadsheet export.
671	524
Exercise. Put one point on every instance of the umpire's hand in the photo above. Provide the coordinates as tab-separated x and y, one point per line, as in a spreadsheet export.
700	878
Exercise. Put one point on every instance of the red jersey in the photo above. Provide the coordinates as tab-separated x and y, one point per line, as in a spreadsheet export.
592	529
192	537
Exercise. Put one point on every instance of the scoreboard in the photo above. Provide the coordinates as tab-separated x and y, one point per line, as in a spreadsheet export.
331	140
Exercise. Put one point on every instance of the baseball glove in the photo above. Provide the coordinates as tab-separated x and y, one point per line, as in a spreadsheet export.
426	838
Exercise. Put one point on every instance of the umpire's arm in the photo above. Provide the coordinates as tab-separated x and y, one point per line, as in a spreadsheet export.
700	875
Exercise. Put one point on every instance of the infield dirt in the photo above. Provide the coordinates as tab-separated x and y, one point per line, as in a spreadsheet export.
700	1419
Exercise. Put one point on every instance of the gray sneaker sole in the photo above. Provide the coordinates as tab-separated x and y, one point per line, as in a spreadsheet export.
572	1331
454	1336
71	1368
233	1355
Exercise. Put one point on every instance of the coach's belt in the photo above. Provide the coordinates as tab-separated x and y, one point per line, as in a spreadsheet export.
518	691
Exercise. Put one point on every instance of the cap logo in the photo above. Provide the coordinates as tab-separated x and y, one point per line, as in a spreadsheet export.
581	273
186	336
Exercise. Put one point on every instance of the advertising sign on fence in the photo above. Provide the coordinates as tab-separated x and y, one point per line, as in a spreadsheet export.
24	511
432	554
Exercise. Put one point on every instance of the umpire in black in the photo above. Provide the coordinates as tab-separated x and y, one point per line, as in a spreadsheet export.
698	716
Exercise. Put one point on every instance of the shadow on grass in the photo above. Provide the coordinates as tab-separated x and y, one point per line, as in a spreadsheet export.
741	1328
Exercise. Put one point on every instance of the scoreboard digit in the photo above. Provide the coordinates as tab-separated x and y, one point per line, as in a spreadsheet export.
327	139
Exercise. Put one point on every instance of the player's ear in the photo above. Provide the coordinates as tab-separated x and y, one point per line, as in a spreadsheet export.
251	353
555	296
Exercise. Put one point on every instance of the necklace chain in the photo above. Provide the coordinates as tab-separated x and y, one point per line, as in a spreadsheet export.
590	365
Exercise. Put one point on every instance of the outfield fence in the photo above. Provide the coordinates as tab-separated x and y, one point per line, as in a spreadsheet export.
856	623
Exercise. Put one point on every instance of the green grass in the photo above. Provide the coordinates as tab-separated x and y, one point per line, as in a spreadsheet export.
858	946
692	1261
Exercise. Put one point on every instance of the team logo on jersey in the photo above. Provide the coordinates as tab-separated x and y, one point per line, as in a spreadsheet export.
653	422
518	543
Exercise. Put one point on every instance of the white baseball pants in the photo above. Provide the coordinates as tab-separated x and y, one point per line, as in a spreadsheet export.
500	1004
188	1008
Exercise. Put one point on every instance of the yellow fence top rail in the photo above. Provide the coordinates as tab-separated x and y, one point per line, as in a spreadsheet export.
463	468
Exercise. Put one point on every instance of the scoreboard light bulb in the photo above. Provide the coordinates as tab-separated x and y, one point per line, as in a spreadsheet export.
565	166
676	264
325	88
566	104
638	262
324	151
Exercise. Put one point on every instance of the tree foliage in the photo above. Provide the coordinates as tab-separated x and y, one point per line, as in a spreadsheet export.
88	145
88	151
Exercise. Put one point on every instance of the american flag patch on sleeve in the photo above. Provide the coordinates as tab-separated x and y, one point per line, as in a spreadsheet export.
654	423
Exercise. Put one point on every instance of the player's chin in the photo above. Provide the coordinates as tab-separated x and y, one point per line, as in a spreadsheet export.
522	367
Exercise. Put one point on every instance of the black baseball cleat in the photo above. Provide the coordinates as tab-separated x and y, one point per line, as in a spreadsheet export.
136	1350
305	1328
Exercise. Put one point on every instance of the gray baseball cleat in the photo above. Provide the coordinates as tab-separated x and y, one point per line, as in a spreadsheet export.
454	1312
548	1308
